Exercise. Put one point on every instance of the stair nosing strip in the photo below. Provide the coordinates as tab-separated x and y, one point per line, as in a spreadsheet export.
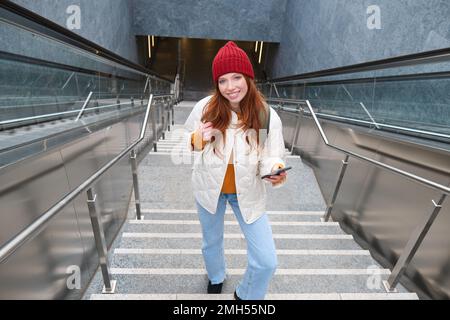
281	212
241	271
242	252
269	296
238	236
234	223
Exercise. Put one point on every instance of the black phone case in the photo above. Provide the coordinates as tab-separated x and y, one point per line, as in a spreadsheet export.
276	172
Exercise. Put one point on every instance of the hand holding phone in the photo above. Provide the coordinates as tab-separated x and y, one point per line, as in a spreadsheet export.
276	172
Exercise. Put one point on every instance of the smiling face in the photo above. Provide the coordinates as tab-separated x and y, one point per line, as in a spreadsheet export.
233	87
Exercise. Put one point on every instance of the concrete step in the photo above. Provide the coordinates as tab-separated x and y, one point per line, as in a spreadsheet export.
193	226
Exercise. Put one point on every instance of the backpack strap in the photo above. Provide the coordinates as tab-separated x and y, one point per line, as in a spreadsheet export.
264	120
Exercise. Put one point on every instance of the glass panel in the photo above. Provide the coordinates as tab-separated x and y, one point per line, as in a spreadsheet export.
418	103
413	99
44	84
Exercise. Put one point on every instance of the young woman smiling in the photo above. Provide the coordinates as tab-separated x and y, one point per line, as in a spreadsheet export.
228	131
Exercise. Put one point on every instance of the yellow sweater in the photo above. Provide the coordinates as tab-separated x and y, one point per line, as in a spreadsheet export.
229	183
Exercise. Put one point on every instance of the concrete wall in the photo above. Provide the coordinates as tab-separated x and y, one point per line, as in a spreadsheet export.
323	34
217	19
105	22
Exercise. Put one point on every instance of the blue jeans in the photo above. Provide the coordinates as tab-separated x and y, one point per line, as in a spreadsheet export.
262	259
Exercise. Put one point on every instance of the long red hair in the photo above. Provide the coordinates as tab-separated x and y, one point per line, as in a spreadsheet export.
218	110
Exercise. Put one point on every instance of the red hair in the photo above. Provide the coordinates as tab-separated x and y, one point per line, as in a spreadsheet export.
218	110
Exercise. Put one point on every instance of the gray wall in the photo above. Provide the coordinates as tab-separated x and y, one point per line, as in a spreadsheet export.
217	19
105	22
313	34
323	34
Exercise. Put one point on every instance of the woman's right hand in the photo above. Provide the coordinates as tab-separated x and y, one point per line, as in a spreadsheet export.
206	130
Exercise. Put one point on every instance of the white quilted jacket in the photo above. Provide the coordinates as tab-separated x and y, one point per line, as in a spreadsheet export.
249	165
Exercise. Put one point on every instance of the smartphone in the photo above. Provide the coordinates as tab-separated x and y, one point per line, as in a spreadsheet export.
277	172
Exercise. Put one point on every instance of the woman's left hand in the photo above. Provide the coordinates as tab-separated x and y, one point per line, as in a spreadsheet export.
277	179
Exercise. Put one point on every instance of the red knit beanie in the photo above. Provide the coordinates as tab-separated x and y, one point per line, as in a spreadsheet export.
231	58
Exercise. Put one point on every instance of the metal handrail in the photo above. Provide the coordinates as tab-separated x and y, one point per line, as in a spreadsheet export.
57	114
40	223
422	228
393	169
84	106
155	96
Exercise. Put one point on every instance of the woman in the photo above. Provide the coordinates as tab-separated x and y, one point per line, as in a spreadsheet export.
226	134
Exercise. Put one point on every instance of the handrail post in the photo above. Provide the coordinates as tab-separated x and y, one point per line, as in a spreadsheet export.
100	242
163	120
67	82
155	138
370	116
137	197
336	189
86	102
145	89
297	128
413	244
169	113
173	112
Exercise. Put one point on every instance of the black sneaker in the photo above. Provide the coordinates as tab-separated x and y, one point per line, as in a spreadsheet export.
236	296
214	288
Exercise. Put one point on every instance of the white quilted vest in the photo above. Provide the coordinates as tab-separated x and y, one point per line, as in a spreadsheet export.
249	165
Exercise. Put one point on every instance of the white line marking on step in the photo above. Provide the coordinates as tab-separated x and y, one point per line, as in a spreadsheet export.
240	271
238	236
269	296
235	223
301	213
244	252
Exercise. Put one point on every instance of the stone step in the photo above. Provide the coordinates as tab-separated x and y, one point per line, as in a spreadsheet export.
156	159
183	214
169	139
192	258
273	296
194	240
193	226
290	281
178	153
173	144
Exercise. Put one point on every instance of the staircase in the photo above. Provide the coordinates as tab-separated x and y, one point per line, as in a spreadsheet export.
160	257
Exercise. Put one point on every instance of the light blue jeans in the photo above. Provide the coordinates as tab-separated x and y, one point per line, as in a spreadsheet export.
262	259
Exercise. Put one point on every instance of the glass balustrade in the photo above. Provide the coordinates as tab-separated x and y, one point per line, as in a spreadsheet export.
413	99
